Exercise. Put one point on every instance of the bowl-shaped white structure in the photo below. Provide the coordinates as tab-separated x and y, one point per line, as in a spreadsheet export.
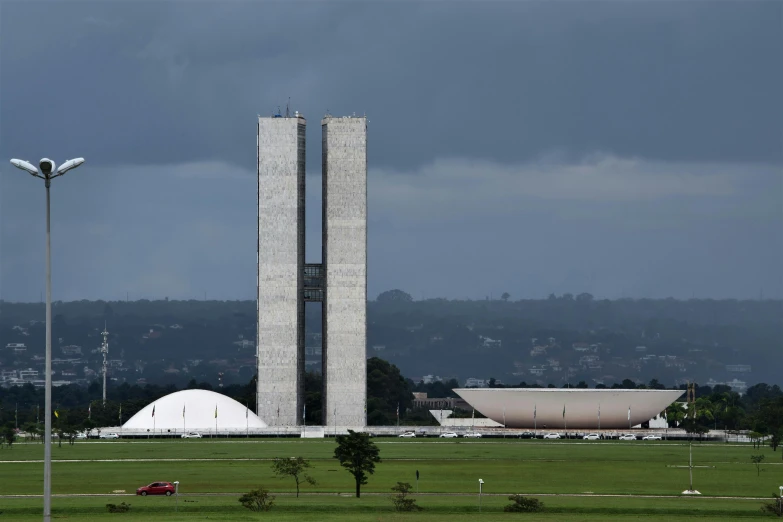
544	407
199	413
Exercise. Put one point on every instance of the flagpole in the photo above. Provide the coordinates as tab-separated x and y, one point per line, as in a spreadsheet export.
535	427
599	416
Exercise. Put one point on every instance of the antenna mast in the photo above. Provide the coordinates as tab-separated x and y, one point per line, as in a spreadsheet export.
105	352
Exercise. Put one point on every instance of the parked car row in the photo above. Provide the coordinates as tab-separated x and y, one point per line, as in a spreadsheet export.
447	435
530	435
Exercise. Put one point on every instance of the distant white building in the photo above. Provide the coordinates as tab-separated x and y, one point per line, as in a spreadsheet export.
738	368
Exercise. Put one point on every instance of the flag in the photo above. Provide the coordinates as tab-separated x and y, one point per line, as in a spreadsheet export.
56	414
183	411
153	410
304	411
534	411
247	410
599	412
564	411
89	411
629	413
398	410
120	412
216	411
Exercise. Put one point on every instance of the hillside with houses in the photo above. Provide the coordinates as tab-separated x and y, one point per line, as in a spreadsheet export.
561	340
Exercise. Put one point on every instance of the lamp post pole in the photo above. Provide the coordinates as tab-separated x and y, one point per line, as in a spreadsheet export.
48	371
47	173
481	483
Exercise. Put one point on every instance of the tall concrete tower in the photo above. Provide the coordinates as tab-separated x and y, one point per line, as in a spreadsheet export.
344	171
285	282
281	250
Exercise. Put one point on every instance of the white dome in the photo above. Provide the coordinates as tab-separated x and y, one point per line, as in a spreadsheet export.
199	413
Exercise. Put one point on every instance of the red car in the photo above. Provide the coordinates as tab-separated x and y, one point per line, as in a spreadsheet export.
157	488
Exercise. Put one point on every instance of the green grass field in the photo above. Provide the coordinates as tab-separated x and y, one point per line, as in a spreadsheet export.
213	474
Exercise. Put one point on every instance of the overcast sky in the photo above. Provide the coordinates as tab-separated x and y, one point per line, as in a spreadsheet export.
623	148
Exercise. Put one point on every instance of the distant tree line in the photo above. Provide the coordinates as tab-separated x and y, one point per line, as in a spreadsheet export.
389	399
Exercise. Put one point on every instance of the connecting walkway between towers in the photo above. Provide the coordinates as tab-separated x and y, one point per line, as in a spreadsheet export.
314	282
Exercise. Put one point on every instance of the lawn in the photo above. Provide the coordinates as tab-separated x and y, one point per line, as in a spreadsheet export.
449	471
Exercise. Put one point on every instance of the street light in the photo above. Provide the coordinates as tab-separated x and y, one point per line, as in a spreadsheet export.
481	482
47	172
780	500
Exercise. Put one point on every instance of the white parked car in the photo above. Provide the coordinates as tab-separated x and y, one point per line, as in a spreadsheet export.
110	436
552	436
652	437
591	436
449	435
191	435
627	436
408	435
472	435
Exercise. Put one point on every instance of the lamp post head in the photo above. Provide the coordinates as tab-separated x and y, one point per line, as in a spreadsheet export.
47	167
25	166
481	481
68	165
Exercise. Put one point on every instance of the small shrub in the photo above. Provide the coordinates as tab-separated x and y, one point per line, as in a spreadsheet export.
258	500
524	505
774	507
401	500
121	508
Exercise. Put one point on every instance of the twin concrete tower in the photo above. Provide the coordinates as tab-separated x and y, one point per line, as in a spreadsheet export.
286	282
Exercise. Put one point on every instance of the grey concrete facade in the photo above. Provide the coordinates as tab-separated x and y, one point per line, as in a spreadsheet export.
281	249
285	282
344	171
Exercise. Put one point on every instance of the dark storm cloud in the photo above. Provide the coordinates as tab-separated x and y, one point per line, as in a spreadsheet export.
503	80
621	148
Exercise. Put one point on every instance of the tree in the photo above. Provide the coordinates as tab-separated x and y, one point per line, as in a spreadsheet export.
358	455
392	296
675	414
757	460
294	467
9	434
401	500
386	390
505	296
